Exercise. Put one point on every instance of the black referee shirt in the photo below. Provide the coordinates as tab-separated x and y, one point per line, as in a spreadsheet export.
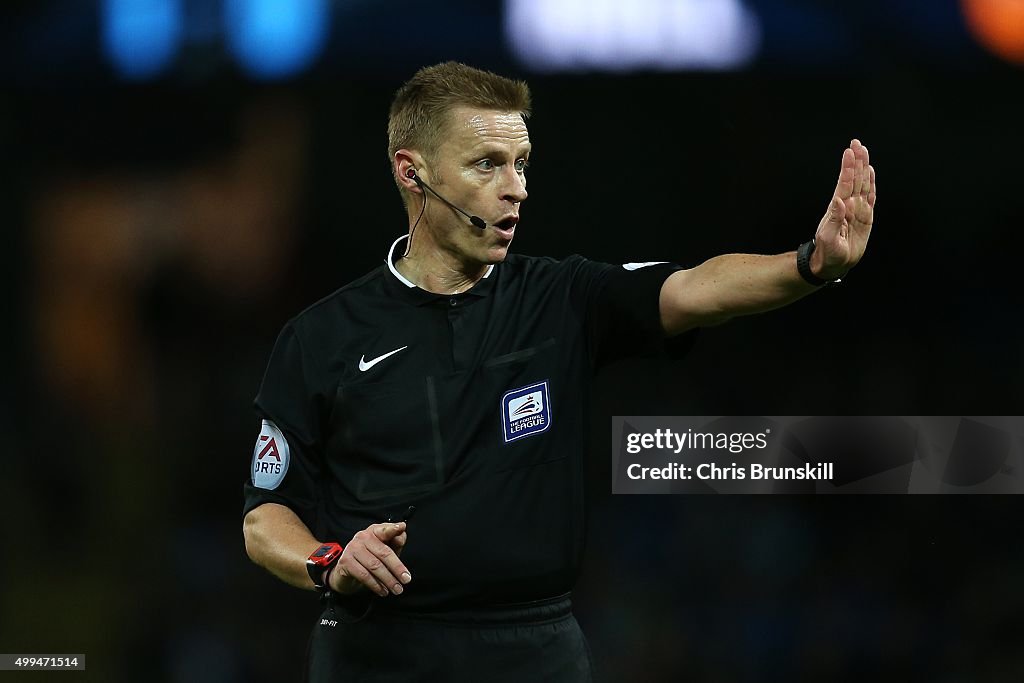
472	407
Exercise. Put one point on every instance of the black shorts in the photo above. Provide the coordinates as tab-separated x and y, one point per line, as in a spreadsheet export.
538	641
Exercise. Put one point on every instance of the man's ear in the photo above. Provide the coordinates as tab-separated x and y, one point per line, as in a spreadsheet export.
407	164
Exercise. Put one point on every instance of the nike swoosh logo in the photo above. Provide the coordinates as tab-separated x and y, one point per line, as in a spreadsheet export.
365	365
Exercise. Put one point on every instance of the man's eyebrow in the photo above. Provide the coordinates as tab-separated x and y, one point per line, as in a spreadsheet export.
488	149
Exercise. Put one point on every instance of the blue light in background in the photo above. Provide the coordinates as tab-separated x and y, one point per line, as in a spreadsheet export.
141	37
612	35
276	38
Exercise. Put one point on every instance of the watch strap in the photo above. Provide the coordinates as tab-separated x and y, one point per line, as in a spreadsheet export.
803	264
322	561
317	574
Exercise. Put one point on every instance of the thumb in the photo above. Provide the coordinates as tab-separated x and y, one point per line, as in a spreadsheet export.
836	211
832	222
398	542
388	530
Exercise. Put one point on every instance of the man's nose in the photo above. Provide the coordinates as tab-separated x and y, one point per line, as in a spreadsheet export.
513	186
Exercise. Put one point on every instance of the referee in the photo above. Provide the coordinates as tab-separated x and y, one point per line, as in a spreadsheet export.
452	382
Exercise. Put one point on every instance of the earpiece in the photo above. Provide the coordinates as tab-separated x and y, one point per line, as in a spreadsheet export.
411	173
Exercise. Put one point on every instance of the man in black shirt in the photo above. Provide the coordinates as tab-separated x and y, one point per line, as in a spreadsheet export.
453	381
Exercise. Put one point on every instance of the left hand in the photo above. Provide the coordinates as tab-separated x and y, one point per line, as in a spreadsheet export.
843	233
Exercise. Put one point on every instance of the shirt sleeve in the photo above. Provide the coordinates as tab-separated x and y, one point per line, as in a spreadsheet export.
287	459
622	311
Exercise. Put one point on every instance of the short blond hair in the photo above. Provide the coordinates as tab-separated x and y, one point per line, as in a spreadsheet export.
421	107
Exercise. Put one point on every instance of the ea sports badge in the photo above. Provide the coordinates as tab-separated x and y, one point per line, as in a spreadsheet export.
270	457
526	411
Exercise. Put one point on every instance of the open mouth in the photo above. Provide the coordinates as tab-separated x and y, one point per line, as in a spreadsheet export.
507	223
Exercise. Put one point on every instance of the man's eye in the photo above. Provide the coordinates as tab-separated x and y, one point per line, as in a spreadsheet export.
522	165
485	164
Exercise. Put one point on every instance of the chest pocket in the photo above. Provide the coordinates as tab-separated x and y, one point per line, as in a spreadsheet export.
389	434
528	384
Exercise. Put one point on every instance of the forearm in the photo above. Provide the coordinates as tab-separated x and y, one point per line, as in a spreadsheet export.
277	540
728	286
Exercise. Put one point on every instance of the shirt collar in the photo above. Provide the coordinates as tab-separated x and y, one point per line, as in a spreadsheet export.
481	288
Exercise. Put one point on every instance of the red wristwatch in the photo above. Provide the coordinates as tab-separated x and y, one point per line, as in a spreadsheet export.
322	559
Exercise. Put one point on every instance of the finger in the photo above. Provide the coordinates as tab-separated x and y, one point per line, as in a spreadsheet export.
844	188
398	542
860	150
871	192
394	565
378	571
353	568
386	567
859	178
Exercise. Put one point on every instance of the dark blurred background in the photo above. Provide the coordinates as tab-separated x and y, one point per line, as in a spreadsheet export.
180	177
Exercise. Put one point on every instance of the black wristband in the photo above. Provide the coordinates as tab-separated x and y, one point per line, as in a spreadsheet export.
803	265
317	574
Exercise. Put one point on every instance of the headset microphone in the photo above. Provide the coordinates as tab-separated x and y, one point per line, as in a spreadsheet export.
475	220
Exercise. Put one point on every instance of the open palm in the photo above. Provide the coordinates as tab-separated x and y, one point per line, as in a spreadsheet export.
843	232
